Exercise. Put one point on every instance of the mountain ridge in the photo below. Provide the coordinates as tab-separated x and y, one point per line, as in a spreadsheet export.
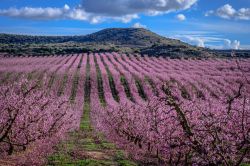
125	40
101	36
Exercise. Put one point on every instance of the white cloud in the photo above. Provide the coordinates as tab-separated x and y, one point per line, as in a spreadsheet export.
228	12
127	18
232	45
66	7
236	45
139	25
193	40
125	7
210	40
34	13
78	14
50	14
45	13
88	10
181	17
227	43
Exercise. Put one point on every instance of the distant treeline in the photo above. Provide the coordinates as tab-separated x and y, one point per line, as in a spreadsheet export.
227	53
26	39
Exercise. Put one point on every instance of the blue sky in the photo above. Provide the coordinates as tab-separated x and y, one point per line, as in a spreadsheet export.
217	24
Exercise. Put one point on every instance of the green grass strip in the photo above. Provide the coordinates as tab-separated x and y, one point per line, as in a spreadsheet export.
140	89
99	83
152	85
114	91
65	79
75	82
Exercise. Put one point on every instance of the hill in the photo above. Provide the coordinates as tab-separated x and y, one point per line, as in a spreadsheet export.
119	36
124	40
132	37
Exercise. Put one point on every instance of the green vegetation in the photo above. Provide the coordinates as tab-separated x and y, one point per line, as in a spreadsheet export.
114	92
31	74
5	77
123	80
54	74
40	77
152	85
184	92
99	83
52	77
65	79
126	88
198	92
138	83
63	84
140	88
87	85
75	81
85	146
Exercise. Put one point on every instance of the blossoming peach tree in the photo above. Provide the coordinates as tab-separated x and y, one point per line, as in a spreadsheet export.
29	114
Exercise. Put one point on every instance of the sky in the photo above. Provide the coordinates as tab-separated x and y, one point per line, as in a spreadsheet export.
216	24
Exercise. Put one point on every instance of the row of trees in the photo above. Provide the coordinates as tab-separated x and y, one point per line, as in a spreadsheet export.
31	121
172	131
174	128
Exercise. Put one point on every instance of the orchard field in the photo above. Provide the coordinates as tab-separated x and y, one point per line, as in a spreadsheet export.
157	111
